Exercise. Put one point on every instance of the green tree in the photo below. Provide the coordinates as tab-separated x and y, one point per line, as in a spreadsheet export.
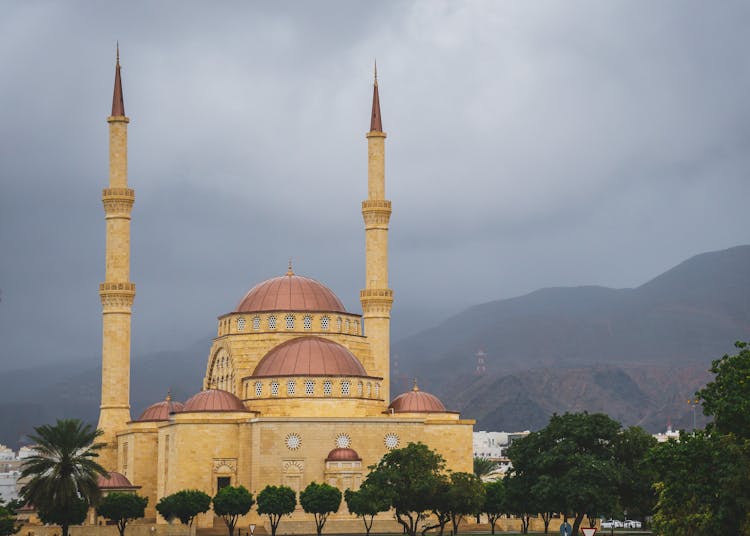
575	452
122	508
8	525
484	466
409	476
703	485
366	502
466	497
320	500
636	493
73	513
276	501
727	397
517	498
232	502
184	505
63	471
494	502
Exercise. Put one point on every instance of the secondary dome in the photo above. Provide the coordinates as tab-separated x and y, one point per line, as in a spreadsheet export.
161	410
416	401
309	356
343	455
213	400
114	481
290	292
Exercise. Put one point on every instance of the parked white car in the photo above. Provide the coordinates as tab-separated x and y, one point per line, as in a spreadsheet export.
632	524
612	523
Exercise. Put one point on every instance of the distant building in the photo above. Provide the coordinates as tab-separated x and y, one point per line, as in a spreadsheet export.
10	472
666	436
494	446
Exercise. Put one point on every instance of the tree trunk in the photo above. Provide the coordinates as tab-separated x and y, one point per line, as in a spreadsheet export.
121	527
546	517
455	520
577	523
64	530
274	523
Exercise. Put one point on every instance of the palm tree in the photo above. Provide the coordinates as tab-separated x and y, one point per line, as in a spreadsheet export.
63	471
484	466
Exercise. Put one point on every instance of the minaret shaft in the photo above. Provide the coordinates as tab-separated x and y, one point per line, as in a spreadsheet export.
377	297
117	292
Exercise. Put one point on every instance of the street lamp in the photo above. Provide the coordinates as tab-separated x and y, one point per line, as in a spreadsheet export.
693	403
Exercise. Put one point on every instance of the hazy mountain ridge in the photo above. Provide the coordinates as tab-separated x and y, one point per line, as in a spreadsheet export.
636	354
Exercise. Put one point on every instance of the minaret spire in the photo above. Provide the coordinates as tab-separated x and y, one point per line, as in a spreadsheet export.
376	123
376	297
117	291
118	105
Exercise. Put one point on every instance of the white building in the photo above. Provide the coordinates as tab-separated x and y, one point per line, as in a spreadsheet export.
494	446
10	472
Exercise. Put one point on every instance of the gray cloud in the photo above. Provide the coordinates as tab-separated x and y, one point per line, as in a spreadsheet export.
530	145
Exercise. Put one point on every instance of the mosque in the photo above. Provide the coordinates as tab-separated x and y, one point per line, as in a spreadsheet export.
296	387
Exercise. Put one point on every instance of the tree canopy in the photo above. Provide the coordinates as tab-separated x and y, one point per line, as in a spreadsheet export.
276	501
121	508
367	502
232	502
409	476
184	505
727	397
320	500
702	481
484	466
580	464
8	524
494	502
63	471
465	497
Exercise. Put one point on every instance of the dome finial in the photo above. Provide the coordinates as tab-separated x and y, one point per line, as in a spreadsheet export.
415	388
168	398
289	270
376	72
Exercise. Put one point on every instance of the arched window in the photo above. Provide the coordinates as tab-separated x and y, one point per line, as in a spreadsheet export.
241	323
327	387
369	389
345	387
307	322
289	321
324	322
346	326
338	324
272	322
274	388
377	390
290	387
258	389
359	388
256	323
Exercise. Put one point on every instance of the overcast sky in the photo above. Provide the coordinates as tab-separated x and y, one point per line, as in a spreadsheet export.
530	144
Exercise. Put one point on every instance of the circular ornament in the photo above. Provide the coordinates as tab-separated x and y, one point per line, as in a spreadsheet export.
343	441
391	441
293	441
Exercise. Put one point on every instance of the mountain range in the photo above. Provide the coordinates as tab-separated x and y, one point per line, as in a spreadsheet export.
637	354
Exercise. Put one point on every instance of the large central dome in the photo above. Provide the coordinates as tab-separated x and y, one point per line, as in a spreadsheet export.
290	292
309	356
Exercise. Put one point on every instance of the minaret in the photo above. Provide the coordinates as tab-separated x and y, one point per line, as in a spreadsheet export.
376	297
117	292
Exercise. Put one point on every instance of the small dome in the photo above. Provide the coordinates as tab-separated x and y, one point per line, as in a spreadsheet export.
416	401
113	481
213	400
161	410
343	455
309	356
290	292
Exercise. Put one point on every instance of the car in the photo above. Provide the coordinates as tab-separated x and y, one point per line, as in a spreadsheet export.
611	524
632	524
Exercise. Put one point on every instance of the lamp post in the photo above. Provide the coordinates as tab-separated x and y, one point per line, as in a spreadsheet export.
693	403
